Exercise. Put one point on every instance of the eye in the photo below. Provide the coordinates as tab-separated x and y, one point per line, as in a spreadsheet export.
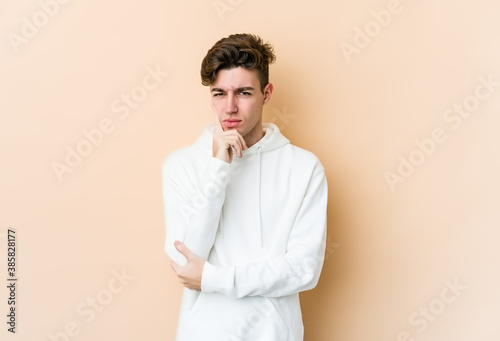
218	94
245	93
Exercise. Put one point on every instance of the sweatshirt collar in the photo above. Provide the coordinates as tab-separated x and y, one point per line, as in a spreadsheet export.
272	139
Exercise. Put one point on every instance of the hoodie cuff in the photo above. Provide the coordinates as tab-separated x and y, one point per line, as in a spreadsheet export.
217	279
217	172
216	164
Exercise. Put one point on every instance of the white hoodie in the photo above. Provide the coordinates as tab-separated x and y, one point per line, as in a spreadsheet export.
260	222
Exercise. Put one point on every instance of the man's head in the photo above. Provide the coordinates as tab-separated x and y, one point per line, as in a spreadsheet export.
245	50
237	70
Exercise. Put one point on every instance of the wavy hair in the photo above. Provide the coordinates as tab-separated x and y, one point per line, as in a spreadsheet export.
246	50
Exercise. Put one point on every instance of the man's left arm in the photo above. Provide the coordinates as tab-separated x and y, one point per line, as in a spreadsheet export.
295	271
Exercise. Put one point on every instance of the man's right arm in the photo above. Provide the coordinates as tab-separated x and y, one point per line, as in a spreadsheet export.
192	203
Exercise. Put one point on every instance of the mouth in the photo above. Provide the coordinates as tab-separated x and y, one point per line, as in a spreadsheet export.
232	123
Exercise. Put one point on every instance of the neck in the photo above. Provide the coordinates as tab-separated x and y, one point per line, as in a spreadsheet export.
254	135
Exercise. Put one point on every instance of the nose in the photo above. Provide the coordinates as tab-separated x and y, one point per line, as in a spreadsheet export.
231	104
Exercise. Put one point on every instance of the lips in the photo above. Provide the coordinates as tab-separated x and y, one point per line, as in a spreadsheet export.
232	123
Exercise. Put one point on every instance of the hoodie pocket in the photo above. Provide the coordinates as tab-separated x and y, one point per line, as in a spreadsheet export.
191	316
215	317
275	311
287	315
259	321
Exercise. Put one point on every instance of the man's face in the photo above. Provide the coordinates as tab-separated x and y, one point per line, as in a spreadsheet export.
238	101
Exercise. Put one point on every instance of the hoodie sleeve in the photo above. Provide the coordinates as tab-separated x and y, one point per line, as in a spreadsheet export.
295	271
192	203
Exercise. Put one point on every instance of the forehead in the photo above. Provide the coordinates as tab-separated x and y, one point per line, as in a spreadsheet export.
235	78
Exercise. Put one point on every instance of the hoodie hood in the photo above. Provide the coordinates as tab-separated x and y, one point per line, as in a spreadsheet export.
272	139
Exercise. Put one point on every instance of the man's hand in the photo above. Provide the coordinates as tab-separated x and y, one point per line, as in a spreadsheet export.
189	274
224	140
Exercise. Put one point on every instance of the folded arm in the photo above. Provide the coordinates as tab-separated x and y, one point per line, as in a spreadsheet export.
297	270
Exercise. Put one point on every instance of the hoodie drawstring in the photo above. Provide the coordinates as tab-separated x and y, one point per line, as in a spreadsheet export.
259	149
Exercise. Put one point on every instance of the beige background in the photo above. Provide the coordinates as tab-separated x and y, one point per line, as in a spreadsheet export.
390	250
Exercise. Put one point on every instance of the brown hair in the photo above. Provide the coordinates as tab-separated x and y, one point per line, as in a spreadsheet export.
245	50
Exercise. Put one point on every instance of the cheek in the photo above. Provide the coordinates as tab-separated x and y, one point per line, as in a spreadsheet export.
250	107
256	110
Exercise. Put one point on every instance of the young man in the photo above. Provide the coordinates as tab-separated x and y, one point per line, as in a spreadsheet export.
245	210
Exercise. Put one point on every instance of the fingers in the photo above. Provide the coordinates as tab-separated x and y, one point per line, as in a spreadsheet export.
232	140
224	142
183	249
239	145
242	141
174	266
218	127
227	140
242	145
178	271
189	274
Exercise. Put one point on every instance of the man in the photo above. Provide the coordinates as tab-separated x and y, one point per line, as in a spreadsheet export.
245	210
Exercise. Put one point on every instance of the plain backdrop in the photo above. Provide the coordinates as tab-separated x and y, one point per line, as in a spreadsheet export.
400	100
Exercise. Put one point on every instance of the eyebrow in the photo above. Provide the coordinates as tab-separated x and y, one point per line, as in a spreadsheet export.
244	88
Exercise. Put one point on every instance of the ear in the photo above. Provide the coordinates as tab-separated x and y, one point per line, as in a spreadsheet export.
268	91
